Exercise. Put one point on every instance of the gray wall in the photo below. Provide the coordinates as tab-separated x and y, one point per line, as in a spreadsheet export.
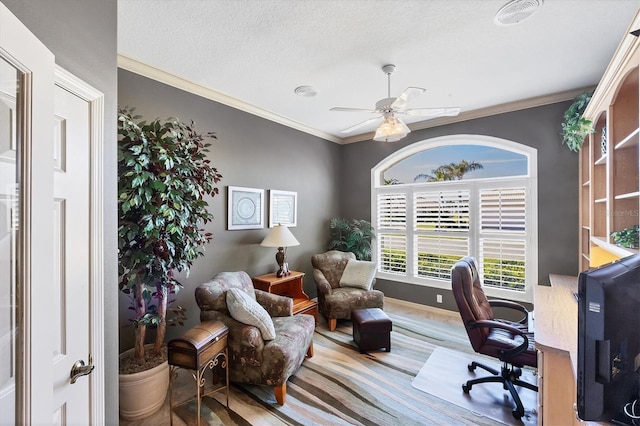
250	152
557	188
82	36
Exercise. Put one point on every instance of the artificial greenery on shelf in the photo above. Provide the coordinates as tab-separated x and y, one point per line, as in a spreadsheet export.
575	127
353	235
628	237
163	177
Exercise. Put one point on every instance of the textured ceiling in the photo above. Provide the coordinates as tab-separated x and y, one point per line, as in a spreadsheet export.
252	54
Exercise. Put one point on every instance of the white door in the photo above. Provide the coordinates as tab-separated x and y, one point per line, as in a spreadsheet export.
71	275
51	300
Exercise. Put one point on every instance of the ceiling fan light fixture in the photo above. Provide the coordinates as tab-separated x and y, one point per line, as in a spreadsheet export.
391	130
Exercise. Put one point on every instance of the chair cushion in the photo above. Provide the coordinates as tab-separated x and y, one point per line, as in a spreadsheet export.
246	310
358	273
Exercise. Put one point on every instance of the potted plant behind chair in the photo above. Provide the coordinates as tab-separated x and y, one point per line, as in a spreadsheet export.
351	236
163	177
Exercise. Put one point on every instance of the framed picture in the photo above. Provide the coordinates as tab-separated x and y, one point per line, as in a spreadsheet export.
283	208
245	208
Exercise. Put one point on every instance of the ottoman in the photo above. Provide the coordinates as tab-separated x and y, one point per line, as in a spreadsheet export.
371	329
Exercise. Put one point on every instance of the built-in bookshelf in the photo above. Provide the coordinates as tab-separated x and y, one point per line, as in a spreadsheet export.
609	184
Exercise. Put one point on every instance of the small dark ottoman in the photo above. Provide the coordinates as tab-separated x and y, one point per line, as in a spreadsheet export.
371	329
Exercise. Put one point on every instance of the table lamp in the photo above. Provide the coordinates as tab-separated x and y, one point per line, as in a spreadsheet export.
280	236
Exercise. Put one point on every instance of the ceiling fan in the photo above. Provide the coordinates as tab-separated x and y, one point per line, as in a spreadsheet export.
393	128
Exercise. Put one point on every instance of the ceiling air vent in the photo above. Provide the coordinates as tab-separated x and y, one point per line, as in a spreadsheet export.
517	11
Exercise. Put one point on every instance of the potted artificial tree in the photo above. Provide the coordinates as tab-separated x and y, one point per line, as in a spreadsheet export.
163	178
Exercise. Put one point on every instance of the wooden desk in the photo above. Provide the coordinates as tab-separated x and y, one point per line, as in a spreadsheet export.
556	339
291	286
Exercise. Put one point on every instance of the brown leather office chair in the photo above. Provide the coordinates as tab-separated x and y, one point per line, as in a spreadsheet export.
506	340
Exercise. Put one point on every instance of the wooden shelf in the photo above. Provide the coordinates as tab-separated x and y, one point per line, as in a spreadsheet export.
629	195
612	248
629	141
601	161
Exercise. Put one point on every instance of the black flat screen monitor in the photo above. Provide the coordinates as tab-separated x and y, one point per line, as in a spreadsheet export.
608	340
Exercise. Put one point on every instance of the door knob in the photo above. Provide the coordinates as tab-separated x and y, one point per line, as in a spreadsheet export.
80	369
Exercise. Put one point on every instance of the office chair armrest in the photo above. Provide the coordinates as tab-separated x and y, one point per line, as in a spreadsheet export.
508	353
511	305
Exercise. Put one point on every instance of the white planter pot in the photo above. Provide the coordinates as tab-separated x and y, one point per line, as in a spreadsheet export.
142	394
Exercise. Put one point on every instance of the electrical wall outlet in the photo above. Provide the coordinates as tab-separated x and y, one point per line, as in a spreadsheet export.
439	298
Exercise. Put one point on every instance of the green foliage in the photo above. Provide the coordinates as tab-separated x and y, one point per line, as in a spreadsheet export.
575	127
163	177
451	171
628	237
351	235
392	181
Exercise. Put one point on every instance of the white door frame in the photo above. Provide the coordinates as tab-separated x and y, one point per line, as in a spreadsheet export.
95	99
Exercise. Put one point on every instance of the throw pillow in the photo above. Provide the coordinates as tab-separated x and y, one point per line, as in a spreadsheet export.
246	310
358	273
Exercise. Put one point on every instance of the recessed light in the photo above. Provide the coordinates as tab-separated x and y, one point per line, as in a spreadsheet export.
517	11
306	91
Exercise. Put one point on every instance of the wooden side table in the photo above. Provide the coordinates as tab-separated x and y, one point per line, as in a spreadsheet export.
200	348
290	286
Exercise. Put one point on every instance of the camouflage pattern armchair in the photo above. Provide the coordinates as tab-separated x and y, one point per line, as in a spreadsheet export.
336	302
252	359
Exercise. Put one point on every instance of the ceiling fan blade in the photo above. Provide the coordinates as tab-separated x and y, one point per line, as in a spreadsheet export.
410	93
432	112
352	109
362	124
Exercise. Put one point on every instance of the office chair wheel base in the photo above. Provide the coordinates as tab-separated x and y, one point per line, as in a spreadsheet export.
517	415
471	367
466	388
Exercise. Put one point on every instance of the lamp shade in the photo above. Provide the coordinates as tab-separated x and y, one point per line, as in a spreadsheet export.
391	130
279	236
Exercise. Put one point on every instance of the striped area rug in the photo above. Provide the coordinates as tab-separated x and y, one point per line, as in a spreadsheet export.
340	386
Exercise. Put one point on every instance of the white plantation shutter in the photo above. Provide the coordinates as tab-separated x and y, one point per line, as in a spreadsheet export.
502	263
438	254
392	211
392	253
503	217
441	210
391	237
503	210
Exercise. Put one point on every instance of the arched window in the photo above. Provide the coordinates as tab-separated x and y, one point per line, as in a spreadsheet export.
440	199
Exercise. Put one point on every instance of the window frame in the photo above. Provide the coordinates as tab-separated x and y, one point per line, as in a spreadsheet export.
528	182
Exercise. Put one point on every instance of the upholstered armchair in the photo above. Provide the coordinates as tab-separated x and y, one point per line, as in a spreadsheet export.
252	358
336	301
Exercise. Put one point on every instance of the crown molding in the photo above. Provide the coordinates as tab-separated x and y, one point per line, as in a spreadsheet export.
156	74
